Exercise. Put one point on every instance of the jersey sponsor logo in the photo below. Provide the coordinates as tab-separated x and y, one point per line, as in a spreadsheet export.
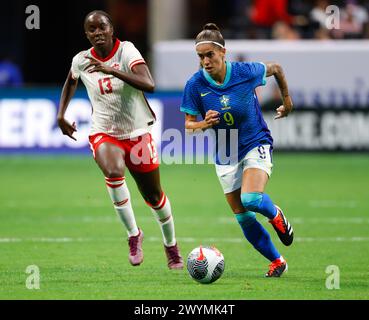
205	94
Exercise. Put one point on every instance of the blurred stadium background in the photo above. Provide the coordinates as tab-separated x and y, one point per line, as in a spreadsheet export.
321	150
325	67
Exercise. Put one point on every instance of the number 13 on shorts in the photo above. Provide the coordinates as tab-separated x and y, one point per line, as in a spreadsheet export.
153	153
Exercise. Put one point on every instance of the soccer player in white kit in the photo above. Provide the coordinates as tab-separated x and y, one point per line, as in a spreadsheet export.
115	76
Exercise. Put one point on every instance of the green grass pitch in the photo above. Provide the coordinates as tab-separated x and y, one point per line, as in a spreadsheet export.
55	213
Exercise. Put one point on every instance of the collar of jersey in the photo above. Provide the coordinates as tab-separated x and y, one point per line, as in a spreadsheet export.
110	55
226	80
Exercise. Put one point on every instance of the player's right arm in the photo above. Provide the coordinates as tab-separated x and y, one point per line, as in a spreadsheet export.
191	107
211	119
68	91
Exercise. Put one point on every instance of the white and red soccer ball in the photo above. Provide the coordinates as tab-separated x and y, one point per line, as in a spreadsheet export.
205	264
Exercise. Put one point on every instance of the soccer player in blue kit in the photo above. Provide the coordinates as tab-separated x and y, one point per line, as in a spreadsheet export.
223	93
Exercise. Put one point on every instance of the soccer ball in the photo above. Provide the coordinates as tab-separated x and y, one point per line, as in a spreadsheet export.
205	264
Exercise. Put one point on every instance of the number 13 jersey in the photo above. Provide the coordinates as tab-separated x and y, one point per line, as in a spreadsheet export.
118	109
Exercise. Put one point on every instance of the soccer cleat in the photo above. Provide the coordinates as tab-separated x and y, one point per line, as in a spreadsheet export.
282	227
175	260
277	268
135	249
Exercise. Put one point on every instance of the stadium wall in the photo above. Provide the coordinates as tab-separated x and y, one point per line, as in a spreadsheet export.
28	125
329	73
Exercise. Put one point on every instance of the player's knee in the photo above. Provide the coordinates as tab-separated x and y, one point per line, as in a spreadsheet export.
113	172
153	198
251	200
238	210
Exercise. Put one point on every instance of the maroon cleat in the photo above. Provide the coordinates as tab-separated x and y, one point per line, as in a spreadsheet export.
135	249
175	260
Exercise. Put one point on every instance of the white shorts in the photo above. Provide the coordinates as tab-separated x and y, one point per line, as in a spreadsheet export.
230	176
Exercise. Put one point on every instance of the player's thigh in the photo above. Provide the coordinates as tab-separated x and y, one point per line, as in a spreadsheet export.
254	180
110	159
257	168
234	201
148	184
229	176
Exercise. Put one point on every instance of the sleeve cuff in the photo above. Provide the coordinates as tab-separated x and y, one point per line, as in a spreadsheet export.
263	81
74	76
136	62
189	111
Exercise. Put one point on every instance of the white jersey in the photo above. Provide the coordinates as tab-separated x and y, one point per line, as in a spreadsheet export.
118	109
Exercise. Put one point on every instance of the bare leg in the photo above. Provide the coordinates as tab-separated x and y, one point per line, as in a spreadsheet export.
234	201
254	180
149	186
110	159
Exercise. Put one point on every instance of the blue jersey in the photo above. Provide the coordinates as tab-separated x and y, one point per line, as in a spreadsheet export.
235	100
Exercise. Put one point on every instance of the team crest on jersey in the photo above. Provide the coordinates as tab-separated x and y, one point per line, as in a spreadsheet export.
115	65
224	100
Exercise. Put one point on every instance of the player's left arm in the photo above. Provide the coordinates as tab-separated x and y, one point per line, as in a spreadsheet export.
275	69
140	78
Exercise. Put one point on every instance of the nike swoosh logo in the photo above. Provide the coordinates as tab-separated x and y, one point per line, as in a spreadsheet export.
120	203
204	94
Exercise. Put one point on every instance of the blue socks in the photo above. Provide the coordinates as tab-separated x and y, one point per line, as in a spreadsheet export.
259	202
257	235
252	229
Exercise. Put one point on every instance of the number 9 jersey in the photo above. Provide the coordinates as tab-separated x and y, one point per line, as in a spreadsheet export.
237	103
118	109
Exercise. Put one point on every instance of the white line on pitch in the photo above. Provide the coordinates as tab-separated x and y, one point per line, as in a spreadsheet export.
332	204
223	220
180	239
102	203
